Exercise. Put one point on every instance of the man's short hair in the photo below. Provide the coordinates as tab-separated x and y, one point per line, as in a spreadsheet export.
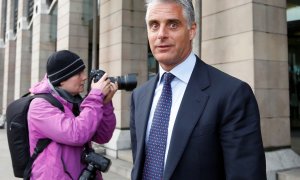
187	5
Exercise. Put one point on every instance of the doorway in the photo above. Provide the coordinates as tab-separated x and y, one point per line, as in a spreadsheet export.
293	23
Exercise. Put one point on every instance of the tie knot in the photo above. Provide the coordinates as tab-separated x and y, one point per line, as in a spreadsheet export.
168	77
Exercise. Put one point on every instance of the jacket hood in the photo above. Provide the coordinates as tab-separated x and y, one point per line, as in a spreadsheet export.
41	87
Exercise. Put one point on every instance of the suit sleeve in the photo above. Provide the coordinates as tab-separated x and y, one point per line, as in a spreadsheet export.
132	128
240	136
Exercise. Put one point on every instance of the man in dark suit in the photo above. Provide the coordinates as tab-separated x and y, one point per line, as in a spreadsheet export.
213	127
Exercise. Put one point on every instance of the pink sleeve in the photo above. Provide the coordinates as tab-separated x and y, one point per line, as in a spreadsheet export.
106	127
49	122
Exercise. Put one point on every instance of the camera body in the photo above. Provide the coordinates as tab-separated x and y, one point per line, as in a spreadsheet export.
127	82
95	162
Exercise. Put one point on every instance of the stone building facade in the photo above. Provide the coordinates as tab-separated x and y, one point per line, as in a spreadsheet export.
246	38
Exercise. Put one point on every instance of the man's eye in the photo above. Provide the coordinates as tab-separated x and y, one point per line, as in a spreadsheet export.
154	26
173	25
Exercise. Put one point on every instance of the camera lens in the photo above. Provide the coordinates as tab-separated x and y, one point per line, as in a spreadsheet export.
127	82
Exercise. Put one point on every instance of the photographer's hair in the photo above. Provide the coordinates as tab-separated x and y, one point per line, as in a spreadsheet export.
187	5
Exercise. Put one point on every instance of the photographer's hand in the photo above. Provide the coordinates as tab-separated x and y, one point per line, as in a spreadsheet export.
103	85
113	88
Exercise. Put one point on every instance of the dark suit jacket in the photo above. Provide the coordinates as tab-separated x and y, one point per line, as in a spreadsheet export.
216	133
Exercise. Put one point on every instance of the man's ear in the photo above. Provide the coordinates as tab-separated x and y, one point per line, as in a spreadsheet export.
192	30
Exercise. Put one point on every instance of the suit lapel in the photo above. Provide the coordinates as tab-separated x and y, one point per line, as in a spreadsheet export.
192	105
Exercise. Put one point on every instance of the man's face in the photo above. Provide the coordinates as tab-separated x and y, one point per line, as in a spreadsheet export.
75	84
169	36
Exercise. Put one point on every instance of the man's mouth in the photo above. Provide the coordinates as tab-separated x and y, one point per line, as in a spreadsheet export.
163	47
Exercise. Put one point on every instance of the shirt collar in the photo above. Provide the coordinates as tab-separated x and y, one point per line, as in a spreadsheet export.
182	71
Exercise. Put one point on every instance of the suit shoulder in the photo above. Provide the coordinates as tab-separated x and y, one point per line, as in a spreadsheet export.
223	80
221	76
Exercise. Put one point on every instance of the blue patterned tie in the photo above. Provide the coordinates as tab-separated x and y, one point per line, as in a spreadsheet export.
156	145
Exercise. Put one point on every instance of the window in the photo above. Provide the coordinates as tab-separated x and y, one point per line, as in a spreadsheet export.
16	16
293	18
30	7
152	64
53	23
4	12
293	22
49	2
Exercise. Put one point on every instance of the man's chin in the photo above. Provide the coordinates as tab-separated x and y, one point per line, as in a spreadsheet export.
163	57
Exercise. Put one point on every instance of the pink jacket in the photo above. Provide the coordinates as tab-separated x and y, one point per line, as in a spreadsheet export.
96	122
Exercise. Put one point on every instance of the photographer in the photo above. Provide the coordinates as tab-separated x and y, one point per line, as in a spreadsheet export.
83	120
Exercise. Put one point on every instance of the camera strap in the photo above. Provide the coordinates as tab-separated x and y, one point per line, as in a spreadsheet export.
41	145
76	112
65	168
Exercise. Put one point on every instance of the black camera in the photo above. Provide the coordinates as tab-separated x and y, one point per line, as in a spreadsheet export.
127	82
95	162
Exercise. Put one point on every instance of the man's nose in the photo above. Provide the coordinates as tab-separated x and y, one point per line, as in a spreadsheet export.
162	32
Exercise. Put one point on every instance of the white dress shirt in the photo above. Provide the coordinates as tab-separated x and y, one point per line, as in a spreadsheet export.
182	72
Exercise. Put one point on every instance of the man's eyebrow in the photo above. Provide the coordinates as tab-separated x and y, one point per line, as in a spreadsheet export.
151	21
174	20
168	21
